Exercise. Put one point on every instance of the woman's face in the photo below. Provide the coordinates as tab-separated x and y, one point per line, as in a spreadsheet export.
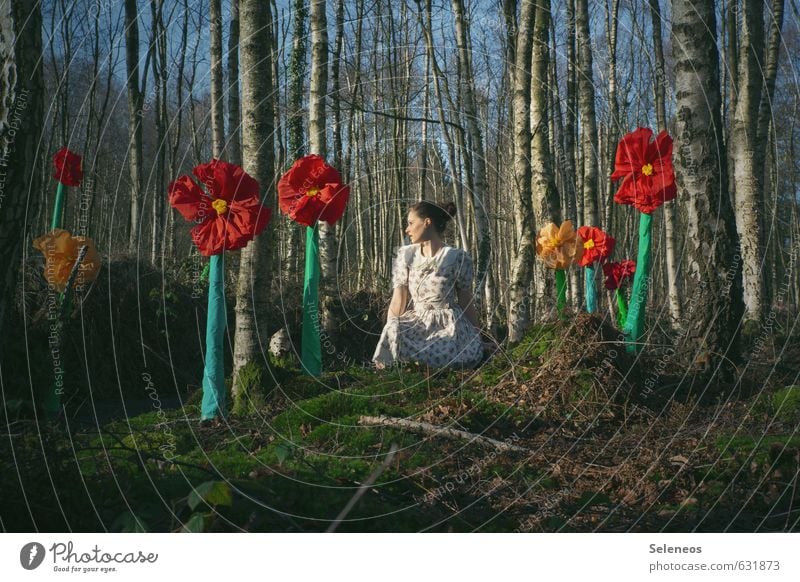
418	229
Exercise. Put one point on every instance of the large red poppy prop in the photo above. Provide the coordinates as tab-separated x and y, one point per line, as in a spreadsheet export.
68	167
597	245
229	216
645	167
312	190
616	273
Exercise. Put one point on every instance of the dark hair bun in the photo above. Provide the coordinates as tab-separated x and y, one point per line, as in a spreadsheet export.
440	214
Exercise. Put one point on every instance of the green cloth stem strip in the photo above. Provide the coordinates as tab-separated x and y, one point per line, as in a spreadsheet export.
311	352
561	291
52	399
622	308
214	404
58	208
591	294
634	323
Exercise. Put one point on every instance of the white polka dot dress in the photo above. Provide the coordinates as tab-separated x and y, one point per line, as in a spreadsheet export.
434	330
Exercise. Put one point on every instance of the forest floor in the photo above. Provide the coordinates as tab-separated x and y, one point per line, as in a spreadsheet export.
557	434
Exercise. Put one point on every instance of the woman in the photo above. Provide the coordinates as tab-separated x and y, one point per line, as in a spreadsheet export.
442	327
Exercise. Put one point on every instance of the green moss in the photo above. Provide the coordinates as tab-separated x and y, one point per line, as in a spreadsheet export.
537	341
249	394
786	404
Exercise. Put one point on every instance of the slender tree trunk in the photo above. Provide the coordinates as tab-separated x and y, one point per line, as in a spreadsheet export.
748	167
234	106
255	268
217	107
518	314
318	144
713	274
546	202
134	119
21	124
586	98
480	191
765	121
669	208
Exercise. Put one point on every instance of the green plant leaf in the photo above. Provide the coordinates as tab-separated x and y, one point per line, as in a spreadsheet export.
213	493
196	523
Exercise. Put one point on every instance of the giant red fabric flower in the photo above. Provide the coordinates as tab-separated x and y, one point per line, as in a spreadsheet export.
648	178
68	167
616	273
597	245
229	216
311	190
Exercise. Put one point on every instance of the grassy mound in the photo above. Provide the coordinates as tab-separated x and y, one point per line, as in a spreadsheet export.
560	439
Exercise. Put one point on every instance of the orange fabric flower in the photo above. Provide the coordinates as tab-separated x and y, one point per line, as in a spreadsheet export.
559	247
60	250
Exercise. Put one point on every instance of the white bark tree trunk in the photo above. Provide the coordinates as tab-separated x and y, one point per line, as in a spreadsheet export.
713	273
255	268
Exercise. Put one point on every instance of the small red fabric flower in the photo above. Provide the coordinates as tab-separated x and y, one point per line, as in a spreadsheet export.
616	273
646	170
311	190
68	167
597	245
229	216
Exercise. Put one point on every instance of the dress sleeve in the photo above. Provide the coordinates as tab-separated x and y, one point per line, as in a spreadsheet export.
464	271
399	269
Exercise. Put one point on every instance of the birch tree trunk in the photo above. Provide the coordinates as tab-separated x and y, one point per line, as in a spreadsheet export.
748	168
588	119
318	144
217	106
255	267
21	124
134	119
673	291
546	203
234	147
518	312
700	165
480	192
765	121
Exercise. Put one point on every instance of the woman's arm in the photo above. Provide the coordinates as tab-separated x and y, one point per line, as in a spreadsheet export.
399	301
468	305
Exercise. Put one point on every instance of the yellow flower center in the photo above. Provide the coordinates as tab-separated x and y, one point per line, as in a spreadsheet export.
589	244
220	206
313	191
647	169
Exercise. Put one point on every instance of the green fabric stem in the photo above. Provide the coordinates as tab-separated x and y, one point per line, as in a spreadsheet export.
311	352
51	404
214	373
591	294
634	323
622	309
58	208
561	291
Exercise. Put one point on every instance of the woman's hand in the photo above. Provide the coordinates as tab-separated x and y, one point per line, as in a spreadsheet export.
399	302
468	306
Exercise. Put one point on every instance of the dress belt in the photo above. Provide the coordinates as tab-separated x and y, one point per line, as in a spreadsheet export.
431	305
